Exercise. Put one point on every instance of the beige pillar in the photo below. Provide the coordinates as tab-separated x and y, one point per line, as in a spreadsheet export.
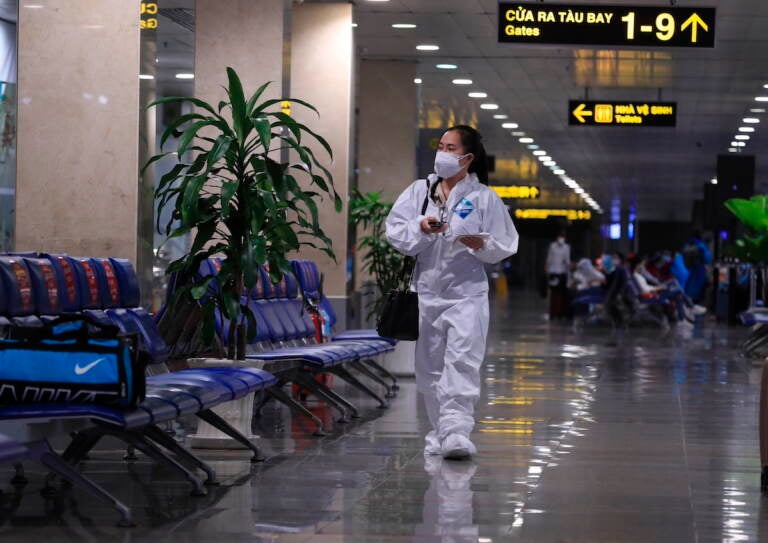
387	127
78	127
387	133
246	35
321	73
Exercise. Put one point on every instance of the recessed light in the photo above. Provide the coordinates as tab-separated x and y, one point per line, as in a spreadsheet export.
525	140
403	25
489	106
550	163
518	134
510	126
378	0
757	110
354	25
33	6
742	137
417	81
713	180
477	94
462	81
558	172
579	190
446	66
539	153
427	47
750	120
500	116
146	76
747	129
544	158
185	76
761	98
533	146
732	150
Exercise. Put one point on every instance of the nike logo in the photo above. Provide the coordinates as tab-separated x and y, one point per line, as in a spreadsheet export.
80	370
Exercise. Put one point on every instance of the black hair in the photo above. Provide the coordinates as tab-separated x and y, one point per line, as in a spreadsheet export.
472	142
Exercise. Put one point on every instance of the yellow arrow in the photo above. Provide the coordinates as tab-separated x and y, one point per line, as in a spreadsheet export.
579	113
694	21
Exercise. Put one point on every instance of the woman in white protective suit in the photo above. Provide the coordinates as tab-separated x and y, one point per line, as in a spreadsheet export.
465	225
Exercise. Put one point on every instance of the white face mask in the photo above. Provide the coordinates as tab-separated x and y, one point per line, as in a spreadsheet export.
447	164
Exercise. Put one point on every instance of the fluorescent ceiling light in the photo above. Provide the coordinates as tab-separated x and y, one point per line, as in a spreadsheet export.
750	120
545	158
757	110
732	150
446	66
403	25
742	137
558	172
539	153
354	25
525	140
462	81
33	6
761	98
517	134
417	81
499	116
185	76
713	180
427	47
533	146
477	95
146	76
509	126
579	190
489	106
550	163
746	129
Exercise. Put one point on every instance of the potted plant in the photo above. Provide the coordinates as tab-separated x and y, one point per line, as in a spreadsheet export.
379	258
384	263
238	201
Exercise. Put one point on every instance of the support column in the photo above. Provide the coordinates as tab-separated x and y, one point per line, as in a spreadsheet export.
387	134
246	35
77	184
321	73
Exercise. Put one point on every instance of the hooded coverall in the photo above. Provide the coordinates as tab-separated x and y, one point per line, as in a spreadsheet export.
453	295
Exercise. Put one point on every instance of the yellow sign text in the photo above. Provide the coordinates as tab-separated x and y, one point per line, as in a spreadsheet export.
570	214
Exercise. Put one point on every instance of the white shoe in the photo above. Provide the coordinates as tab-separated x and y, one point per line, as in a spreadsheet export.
458	447
699	309
432	446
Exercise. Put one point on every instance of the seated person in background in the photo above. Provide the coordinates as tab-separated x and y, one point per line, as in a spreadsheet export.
672	298
658	271
616	279
586	276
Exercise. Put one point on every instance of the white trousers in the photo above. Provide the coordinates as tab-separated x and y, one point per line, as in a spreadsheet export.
449	353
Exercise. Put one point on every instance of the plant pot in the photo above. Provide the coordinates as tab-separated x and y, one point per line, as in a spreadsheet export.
401	361
237	413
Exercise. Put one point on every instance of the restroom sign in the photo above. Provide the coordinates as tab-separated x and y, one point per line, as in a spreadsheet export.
658	26
602	113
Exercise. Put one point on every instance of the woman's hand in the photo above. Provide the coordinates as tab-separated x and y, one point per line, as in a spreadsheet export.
473	242
432	225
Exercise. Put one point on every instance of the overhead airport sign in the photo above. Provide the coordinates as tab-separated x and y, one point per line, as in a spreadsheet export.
540	214
149	11
659	26
595	113
517	192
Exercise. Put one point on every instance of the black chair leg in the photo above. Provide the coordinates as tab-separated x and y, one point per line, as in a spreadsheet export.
342	405
355	382
280	395
164	440
223	426
41	451
365	370
384	372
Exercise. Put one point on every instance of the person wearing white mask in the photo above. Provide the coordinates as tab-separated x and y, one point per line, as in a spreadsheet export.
464	226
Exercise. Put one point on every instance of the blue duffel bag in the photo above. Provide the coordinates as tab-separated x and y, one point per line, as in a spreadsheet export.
71	359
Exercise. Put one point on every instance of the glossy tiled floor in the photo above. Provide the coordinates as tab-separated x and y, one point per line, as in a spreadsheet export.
583	438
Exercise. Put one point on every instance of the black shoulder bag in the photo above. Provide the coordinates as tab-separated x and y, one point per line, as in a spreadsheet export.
399	317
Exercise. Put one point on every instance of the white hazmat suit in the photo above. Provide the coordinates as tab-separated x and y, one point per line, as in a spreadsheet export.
453	298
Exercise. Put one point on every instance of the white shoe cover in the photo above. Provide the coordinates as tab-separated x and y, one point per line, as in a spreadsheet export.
458	447
432	446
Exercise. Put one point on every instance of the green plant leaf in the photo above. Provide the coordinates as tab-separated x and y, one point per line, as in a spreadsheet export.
237	100
189	134
254	97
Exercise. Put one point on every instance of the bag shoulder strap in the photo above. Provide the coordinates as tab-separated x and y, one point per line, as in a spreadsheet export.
426	198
